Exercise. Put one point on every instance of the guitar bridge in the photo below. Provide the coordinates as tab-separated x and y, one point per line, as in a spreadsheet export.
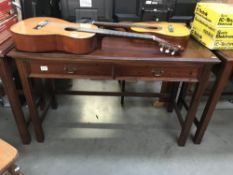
171	28
41	24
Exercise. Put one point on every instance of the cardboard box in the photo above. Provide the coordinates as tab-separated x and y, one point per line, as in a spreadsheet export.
211	37
216	14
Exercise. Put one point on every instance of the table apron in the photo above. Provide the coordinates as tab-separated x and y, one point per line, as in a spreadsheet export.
188	72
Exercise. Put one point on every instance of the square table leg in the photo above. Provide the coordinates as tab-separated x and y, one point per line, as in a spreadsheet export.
27	88
196	98
12	94
218	88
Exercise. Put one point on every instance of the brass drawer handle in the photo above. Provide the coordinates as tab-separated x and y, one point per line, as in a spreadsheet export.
157	73
70	69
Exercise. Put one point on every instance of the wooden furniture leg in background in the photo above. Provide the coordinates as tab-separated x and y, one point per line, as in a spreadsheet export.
173	94
36	121
218	88
52	91
183	92
12	94
40	92
196	98
122	84
165	88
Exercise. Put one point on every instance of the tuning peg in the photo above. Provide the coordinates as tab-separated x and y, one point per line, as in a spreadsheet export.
167	51
173	52
161	49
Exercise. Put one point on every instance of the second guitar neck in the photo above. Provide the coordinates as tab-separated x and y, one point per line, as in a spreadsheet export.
125	25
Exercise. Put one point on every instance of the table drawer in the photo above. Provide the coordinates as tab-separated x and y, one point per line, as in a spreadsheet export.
89	70
158	72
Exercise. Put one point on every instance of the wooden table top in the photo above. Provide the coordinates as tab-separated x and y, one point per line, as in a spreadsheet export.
128	49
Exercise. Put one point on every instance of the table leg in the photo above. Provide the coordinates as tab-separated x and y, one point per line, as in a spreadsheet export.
36	122
52	91
12	94
39	89
173	95
122	90
182	94
166	87
222	79
199	91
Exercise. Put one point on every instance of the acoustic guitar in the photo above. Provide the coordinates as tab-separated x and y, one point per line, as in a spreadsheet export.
162	28
172	32
44	34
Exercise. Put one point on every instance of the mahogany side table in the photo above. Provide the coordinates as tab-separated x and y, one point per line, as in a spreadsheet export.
121	59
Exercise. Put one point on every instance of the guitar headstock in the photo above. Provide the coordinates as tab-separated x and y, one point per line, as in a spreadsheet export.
168	48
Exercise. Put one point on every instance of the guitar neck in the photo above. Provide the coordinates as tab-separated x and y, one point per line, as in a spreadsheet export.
123	34
124	25
164	45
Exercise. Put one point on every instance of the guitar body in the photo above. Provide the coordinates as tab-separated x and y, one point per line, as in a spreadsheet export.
173	32
177	33
164	28
52	37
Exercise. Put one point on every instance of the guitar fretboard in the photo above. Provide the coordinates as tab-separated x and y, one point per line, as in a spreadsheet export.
125	25
122	34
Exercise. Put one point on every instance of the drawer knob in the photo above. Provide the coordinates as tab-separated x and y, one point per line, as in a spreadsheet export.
70	69
157	73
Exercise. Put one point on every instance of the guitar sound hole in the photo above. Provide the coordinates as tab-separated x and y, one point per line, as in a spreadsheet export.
71	29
